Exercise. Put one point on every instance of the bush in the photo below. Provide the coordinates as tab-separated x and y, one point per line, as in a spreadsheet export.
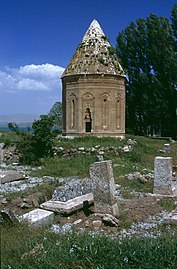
37	144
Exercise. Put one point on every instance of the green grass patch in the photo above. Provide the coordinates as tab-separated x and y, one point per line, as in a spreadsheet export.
9	138
23	247
167	204
67	166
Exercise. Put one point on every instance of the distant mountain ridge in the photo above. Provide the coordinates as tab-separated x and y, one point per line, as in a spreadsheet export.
18	118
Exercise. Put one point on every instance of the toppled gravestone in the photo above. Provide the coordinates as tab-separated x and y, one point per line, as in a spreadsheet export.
73	195
102	177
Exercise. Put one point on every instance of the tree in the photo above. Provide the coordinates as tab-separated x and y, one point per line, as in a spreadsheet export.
37	144
174	19
43	136
147	51
56	112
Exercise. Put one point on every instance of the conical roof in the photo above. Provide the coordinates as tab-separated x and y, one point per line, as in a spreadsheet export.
94	55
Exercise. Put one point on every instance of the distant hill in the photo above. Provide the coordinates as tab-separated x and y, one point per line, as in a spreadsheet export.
18	118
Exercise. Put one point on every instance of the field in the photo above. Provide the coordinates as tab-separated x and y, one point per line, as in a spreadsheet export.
115	247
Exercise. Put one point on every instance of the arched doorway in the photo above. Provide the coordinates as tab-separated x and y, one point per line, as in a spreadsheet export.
88	120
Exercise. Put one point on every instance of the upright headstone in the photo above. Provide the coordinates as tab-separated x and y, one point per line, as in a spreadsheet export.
1	152
102	177
163	176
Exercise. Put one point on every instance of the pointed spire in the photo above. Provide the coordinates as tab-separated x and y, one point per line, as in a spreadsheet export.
94	55
93	31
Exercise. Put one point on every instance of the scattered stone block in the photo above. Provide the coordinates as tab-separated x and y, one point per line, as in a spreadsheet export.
97	224
110	220
171	218
102	177
165	149
69	206
9	176
131	142
39	217
8	216
163	176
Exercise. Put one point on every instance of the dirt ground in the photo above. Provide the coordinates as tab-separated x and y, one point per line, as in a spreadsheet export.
135	210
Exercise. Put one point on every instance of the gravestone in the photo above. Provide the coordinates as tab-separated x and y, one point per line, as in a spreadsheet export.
163	176
1	152
103	190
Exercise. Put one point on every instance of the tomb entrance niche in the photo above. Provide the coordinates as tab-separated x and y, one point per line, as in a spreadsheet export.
88	120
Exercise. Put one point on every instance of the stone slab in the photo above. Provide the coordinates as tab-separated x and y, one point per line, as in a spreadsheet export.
38	217
171	218
163	175
9	177
103	184
69	206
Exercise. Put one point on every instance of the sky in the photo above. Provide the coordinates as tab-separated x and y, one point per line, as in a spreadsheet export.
39	37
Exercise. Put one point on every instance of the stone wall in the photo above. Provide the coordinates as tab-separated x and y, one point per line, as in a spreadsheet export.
9	154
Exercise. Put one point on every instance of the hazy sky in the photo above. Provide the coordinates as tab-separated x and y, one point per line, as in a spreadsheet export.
38	39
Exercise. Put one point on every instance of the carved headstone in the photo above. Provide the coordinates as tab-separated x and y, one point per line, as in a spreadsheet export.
102	177
163	175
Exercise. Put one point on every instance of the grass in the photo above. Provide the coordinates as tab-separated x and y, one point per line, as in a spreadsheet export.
167	204
9	137
142	157
24	247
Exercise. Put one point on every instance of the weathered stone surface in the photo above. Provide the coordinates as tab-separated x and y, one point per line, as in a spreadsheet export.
1	152
38	217
103	187
171	218
93	92
8	216
73	188
110	220
163	175
9	176
10	154
97	224
70	205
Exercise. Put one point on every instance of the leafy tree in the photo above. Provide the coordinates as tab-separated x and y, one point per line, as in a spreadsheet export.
174	19
147	51
37	144
13	127
56	112
43	136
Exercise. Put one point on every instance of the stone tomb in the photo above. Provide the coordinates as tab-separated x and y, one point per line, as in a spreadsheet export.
102	177
163	183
